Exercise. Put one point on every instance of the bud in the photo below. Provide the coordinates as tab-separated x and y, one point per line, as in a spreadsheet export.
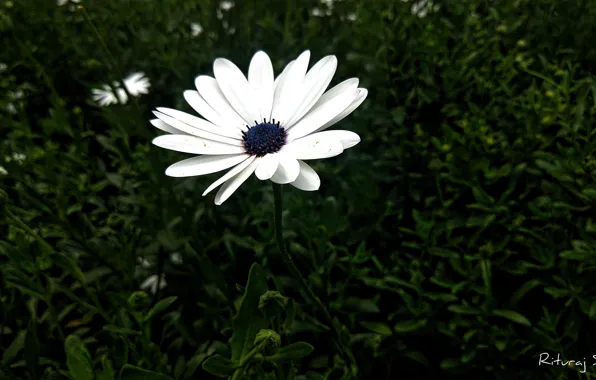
521	43
268	341
139	301
272	303
549	94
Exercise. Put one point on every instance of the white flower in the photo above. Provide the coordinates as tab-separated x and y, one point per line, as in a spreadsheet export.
317	12
351	16
3	67
18	157
421	8
143	262
64	2
261	125
226	5
195	29
11	108
150	283
3	171
176	258
136	84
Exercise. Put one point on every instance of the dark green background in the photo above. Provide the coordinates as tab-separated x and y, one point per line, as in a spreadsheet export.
455	241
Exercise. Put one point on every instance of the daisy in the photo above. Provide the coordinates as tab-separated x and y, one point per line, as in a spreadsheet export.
195	29
261	125
136	84
150	283
64	2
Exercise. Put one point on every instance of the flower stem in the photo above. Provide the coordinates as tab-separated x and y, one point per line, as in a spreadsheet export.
288	259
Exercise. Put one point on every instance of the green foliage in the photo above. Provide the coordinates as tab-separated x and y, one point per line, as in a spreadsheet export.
456	240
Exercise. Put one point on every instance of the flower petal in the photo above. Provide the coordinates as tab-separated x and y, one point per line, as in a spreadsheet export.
178	124
362	93
288	169
201	165
195	145
260	78
211	93
285	92
347	138
315	82
234	183
308	179
196	101
235	87
321	115
201	124
267	167
235	170
348	84
166	127
315	146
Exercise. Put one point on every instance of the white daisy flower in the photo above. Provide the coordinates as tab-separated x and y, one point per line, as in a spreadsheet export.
150	283
136	84
3	171
64	2
351	16
3	67
144	263
11	108
261	125
176	258
226	5
195	29
317	12
18	157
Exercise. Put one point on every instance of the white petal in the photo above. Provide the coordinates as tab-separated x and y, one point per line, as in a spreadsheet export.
199	104
234	183
355	103
267	167
347	138
195	145
166	127
308	179
288	169
178	124
316	81
260	78
287	91
211	93
235	170
204	165
315	146
235	87
279	83
348	84
201	124
321	115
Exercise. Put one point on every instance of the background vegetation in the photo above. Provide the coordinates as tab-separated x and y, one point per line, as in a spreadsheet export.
456	240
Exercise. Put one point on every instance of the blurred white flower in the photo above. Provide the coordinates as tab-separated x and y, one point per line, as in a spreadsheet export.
18	157
3	67
136	84
64	2
195	29
176	258
143	262
3	171
11	108
421	8
226	5
317	12
150	283
351	16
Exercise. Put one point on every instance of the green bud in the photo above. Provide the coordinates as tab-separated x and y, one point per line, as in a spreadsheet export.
272	303
521	43
268	341
501	28
139	301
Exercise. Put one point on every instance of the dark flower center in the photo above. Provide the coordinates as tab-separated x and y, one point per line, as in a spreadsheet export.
264	138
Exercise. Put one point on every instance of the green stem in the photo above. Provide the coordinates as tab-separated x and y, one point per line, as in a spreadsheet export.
277	196
244	361
28	229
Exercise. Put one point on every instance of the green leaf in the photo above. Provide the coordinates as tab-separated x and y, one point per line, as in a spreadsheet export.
310	375
463	309
378	327
70	266
107	372
513	316
120	330
32	348
130	372
119	352
249	319
592	311
78	359
292	351
219	365
409	326
160	306
15	347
